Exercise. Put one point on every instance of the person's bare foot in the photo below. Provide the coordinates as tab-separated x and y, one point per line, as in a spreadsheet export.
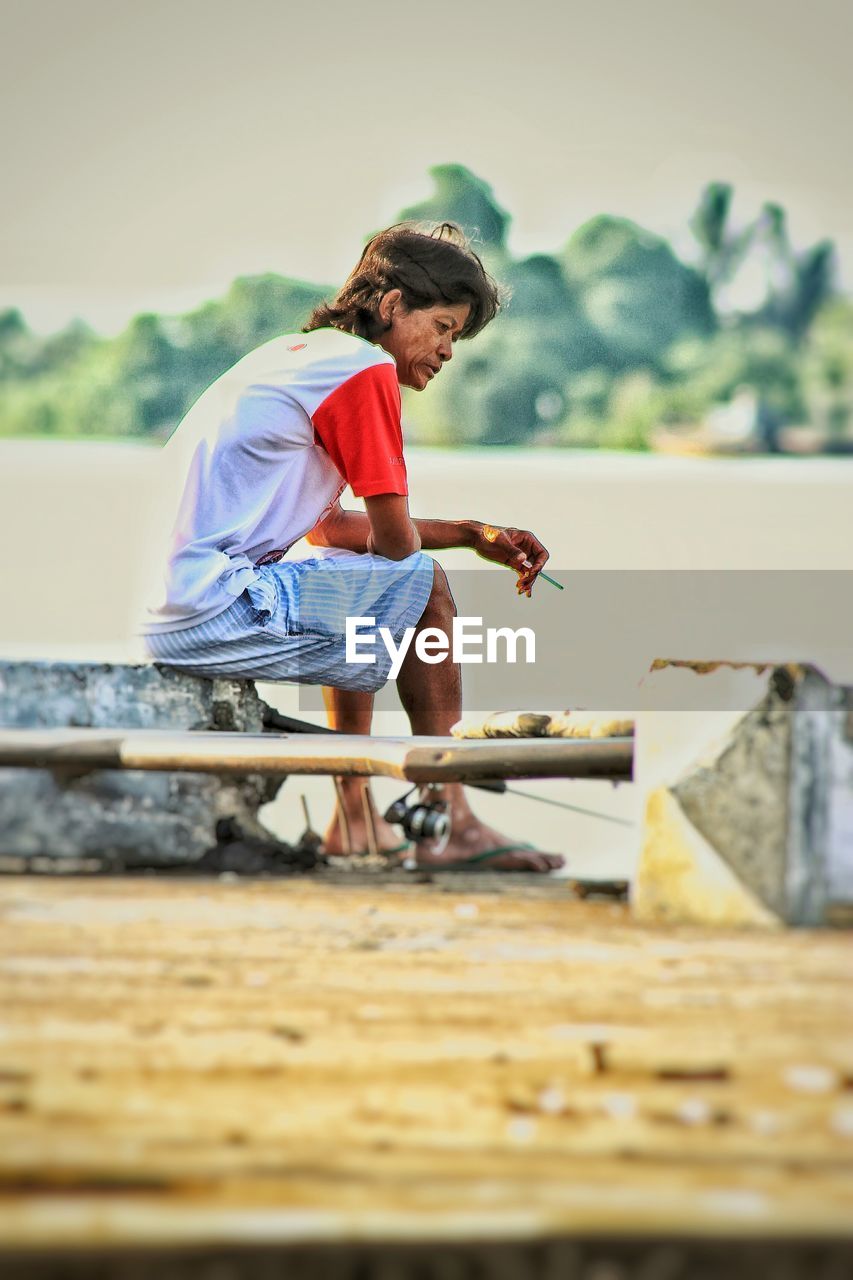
342	839
474	838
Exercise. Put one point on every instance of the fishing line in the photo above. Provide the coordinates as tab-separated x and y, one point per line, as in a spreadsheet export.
573	808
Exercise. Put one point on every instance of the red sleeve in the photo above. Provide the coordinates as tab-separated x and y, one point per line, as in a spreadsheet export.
359	427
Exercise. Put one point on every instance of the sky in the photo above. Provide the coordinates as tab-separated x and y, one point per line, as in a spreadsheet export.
152	152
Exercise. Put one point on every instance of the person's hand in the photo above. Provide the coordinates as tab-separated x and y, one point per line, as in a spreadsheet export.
517	548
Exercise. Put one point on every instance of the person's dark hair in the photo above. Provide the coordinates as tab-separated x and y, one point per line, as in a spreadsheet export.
427	266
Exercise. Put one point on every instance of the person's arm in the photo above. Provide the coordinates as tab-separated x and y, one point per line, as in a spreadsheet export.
386	529
354	531
350	529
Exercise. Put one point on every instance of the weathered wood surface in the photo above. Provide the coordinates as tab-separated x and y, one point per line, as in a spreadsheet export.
188	1061
439	759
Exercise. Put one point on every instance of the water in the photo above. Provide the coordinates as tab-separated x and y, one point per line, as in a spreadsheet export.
78	521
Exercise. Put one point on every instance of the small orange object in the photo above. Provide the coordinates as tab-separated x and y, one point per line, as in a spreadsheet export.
490	533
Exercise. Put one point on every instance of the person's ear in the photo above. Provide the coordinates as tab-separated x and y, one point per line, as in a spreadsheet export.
388	304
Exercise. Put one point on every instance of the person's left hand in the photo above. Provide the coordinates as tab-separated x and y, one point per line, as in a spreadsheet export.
518	548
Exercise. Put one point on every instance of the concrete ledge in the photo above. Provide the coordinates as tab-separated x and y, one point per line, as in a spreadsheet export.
681	877
126	819
758	827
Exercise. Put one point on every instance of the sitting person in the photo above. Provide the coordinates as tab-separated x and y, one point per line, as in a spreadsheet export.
261	460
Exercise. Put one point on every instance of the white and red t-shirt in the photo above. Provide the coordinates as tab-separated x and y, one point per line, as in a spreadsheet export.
264	453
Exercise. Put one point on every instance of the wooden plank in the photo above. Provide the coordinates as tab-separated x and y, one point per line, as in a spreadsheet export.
272	1061
409	759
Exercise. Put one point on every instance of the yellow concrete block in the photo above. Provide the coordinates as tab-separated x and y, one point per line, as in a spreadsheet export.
682	879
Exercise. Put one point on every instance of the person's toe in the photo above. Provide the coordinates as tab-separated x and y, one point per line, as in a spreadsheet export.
548	861
535	860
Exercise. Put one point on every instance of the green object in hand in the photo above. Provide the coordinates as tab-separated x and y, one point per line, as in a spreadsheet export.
553	581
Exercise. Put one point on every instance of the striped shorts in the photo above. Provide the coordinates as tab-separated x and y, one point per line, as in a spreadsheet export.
289	624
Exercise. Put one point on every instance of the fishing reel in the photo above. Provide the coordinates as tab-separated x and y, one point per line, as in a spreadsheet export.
423	819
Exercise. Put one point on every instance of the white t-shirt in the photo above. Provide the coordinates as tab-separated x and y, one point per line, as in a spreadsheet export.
264	453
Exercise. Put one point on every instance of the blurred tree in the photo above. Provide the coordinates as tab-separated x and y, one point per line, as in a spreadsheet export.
512	385
503	388
18	346
810	285
538	289
462	197
721	248
637	296
588	394
702	375
633	412
753	273
255	309
66	346
542	300
24	354
145	369
595	344
828	371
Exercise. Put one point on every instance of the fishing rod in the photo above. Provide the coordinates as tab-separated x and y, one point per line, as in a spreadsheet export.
427	818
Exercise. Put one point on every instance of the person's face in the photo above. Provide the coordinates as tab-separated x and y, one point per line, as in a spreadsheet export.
420	341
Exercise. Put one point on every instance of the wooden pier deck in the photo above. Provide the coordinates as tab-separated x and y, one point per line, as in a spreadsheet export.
199	1062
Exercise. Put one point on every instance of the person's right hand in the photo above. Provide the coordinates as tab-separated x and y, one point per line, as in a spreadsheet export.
519	549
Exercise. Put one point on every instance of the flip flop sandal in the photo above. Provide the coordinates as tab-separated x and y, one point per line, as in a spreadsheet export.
480	861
